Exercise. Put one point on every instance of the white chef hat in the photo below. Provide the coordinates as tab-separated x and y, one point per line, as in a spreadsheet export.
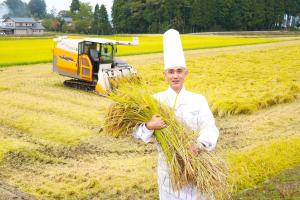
173	52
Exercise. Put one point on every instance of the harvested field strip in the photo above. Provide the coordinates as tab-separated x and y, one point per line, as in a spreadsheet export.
104	178
90	117
48	127
75	98
252	167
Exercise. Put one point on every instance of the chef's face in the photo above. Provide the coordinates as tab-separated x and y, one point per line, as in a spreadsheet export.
175	76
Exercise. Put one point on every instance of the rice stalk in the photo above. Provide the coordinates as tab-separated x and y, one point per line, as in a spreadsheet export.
133	106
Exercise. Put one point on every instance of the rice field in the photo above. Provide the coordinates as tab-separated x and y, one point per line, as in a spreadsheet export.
21	51
52	144
239	83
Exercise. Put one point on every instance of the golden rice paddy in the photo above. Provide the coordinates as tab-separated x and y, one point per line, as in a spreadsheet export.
52	145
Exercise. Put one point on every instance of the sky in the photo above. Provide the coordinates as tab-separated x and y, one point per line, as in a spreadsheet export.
65	4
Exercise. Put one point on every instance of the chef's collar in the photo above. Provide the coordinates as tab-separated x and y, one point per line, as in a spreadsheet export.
174	98
173	93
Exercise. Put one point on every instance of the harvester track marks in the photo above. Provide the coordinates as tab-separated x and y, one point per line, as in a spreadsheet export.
10	193
81	85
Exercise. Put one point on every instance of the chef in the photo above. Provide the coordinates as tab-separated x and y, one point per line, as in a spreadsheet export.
189	107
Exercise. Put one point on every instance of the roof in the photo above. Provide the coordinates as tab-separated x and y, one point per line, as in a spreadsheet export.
27	27
22	19
107	41
38	26
72	44
96	40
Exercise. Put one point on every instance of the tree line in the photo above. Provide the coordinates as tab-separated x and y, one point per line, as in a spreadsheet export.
155	16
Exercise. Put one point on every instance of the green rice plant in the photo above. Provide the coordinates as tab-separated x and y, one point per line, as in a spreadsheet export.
249	168
133	106
27	50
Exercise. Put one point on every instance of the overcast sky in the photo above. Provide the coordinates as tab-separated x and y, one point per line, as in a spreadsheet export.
65	4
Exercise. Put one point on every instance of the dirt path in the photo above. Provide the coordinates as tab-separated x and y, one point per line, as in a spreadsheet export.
9	193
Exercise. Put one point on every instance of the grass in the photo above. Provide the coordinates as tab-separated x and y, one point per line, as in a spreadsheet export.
23	51
52	147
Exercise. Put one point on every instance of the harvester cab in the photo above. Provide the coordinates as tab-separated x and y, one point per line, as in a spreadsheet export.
91	63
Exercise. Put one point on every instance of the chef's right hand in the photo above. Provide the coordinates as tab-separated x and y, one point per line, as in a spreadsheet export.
155	123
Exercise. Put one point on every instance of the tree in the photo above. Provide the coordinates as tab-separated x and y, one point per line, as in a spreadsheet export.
37	8
140	16
17	8
195	15
96	20
223	9
120	15
104	25
270	17
83	18
137	23
279	12
51	24
75	6
203	15
153	16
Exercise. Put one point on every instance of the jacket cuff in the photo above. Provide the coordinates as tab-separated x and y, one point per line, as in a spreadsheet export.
146	130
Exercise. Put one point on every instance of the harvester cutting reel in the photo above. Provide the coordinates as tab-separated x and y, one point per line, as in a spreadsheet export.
109	78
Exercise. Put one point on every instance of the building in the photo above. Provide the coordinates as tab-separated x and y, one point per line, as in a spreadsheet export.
21	26
67	20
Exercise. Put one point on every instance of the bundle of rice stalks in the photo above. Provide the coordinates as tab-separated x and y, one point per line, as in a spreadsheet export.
206	171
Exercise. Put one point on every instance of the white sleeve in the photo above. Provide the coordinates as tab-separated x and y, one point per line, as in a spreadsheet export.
141	132
209	133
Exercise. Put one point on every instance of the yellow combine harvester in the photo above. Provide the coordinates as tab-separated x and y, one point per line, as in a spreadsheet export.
90	62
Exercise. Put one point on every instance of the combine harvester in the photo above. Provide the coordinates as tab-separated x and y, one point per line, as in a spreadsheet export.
90	62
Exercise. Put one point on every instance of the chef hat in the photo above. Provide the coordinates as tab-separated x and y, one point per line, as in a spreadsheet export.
173	53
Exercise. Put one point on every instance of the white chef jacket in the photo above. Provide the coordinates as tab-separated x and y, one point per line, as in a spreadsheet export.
192	109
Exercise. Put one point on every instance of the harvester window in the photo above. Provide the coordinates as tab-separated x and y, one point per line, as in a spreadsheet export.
107	53
80	48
